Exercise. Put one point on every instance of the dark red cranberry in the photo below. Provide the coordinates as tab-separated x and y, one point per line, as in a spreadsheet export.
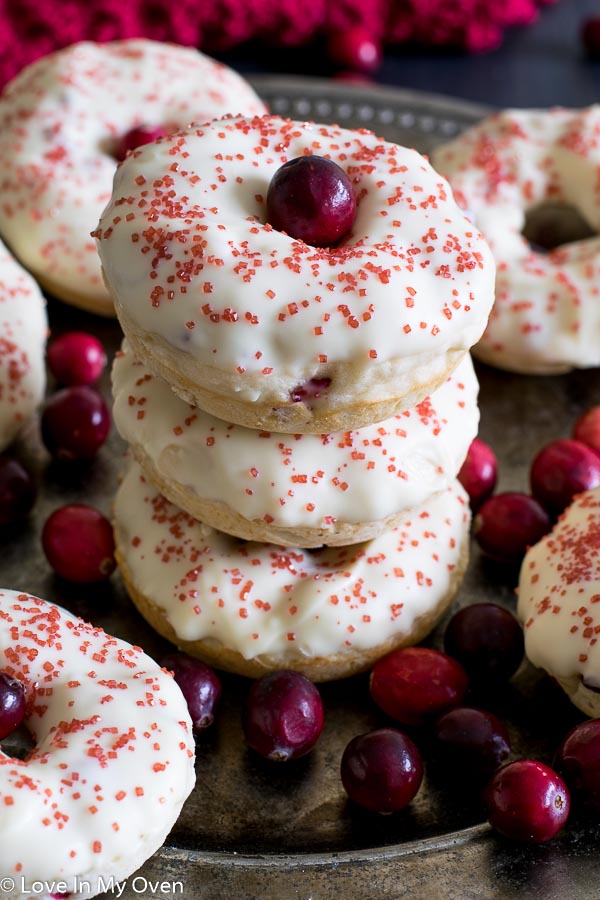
478	473
78	543
355	48
527	801
578	761
12	704
587	428
137	137
311	199
415	684
382	770
488	641
507	524
562	469
199	685
17	491
283	718
590	36
76	358
75	423
472	740
310	390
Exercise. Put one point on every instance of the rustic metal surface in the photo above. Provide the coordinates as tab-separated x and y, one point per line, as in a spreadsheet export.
252	830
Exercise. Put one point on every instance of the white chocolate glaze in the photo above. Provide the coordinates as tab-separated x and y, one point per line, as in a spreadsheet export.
262	599
60	120
114	755
23	332
546	317
189	256
559	595
304	480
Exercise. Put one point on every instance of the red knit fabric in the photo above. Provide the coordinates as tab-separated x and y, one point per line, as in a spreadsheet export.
31	28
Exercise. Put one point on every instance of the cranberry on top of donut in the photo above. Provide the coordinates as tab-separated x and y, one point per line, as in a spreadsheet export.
66	118
264	329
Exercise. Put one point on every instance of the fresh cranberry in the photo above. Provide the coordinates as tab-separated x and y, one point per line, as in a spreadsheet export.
478	473
578	761
311	199
527	801
587	428
17	491
562	469
590	36
199	685
473	740
415	684
382	770
137	137
487	640
310	390
76	358
283	718
78	543
354	48
12	704
75	423
507	524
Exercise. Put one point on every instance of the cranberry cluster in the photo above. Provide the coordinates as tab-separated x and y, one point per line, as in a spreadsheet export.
75	422
507	523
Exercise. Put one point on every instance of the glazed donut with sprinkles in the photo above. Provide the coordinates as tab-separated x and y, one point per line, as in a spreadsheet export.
252	607
559	602
520	165
266	330
113	760
64	122
301	490
23	332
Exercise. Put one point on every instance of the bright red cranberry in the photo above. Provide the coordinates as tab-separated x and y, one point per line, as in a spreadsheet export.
527	801
415	684
78	543
479	473
507	524
137	137
17	491
12	704
311	199
199	685
75	423
578	761
587	428
472	740
76	358
283	718
487	640
355	48
562	469
310	390
382	770
590	36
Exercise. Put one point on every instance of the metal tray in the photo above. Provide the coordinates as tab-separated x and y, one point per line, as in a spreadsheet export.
254	830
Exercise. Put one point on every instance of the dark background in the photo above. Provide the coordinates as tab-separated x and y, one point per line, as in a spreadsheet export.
543	64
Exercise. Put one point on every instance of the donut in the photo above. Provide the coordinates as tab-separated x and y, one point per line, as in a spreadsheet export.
559	602
523	163
113	760
23	332
264	330
300	490
251	607
61	119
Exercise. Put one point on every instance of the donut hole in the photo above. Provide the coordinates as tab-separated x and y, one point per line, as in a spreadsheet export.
18	744
552	224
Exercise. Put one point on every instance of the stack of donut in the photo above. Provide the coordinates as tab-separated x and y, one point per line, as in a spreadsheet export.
296	415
